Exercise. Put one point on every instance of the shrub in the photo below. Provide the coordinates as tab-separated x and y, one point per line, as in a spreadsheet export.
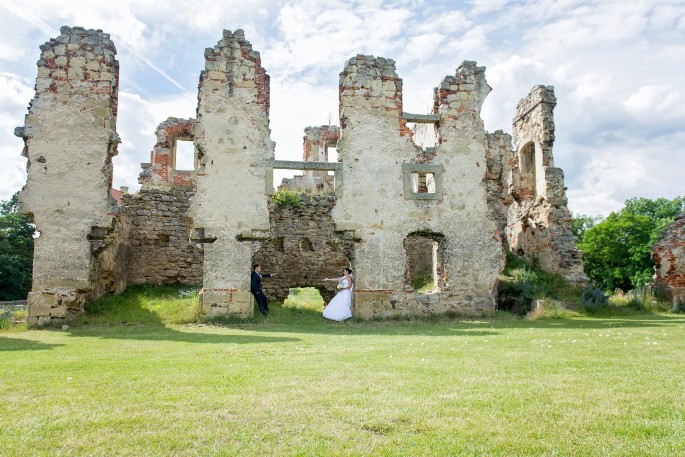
5	320
661	292
679	305
638	299
423	284
286	198
593	299
516	297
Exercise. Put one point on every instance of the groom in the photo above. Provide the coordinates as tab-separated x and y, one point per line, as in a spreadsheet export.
256	288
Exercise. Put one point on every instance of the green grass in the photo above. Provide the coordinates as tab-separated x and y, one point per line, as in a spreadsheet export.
146	305
295	384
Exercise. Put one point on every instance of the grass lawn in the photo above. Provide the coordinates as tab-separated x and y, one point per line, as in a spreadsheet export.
294	384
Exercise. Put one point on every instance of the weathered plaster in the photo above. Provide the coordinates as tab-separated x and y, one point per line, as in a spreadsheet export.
233	141
71	125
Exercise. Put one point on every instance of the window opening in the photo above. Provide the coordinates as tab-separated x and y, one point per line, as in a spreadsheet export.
184	155
423	183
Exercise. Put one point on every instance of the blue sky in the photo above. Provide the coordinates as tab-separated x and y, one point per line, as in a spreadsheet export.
618	69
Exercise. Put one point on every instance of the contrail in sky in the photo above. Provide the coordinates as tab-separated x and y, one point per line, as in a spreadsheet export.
22	13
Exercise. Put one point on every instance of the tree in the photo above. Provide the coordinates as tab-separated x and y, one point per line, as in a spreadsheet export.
16	251
581	223
617	251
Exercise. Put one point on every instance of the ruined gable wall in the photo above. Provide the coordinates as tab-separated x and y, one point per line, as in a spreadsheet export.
305	248
669	259
539	222
375	143
232	138
161	250
70	136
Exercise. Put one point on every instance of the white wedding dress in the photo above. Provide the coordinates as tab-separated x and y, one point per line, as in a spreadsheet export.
340	308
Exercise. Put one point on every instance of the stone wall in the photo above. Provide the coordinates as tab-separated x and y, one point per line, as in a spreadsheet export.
404	209
499	159
233	144
305	248
378	203
669	259
161	250
70	138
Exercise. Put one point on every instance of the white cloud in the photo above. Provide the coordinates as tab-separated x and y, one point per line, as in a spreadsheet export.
487	6
14	97
615	173
616	66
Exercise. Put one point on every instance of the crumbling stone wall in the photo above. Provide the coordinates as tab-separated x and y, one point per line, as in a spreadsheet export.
382	213
539	222
233	143
162	252
499	159
669	259
400	201
70	138
305	248
162	166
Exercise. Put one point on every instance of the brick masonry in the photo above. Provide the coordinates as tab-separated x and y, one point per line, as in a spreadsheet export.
669	259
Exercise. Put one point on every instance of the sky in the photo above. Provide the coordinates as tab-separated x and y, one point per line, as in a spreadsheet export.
618	69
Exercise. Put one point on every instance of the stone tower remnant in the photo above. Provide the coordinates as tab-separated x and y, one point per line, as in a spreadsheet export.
232	139
70	138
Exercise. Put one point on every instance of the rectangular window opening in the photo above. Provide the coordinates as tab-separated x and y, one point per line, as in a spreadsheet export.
185	155
423	183
331	156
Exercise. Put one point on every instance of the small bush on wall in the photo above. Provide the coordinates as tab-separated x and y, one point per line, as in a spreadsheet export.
286	198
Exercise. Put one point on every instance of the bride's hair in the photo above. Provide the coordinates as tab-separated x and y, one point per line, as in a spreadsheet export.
348	270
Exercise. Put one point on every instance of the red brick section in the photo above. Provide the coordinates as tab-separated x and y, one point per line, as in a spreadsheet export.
116	195
171	131
328	135
670	268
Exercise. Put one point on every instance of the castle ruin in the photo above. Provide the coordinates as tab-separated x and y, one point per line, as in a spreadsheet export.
390	207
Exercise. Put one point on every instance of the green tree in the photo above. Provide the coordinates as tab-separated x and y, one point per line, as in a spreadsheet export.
16	251
581	223
617	250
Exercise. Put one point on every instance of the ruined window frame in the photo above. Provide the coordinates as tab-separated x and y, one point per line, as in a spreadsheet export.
410	168
174	152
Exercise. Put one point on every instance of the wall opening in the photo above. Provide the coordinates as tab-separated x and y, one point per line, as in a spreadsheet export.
184	155
425	134
528	172
423	183
304	298
424	270
331	156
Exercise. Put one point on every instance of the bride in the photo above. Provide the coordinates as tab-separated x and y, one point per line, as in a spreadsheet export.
340	308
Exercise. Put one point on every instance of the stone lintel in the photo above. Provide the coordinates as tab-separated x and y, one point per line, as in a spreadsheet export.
421	118
296	165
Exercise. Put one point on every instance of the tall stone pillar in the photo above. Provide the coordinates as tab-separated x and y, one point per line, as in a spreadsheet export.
70	138
233	144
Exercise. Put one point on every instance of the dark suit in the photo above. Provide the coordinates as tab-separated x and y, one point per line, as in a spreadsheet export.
256	289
